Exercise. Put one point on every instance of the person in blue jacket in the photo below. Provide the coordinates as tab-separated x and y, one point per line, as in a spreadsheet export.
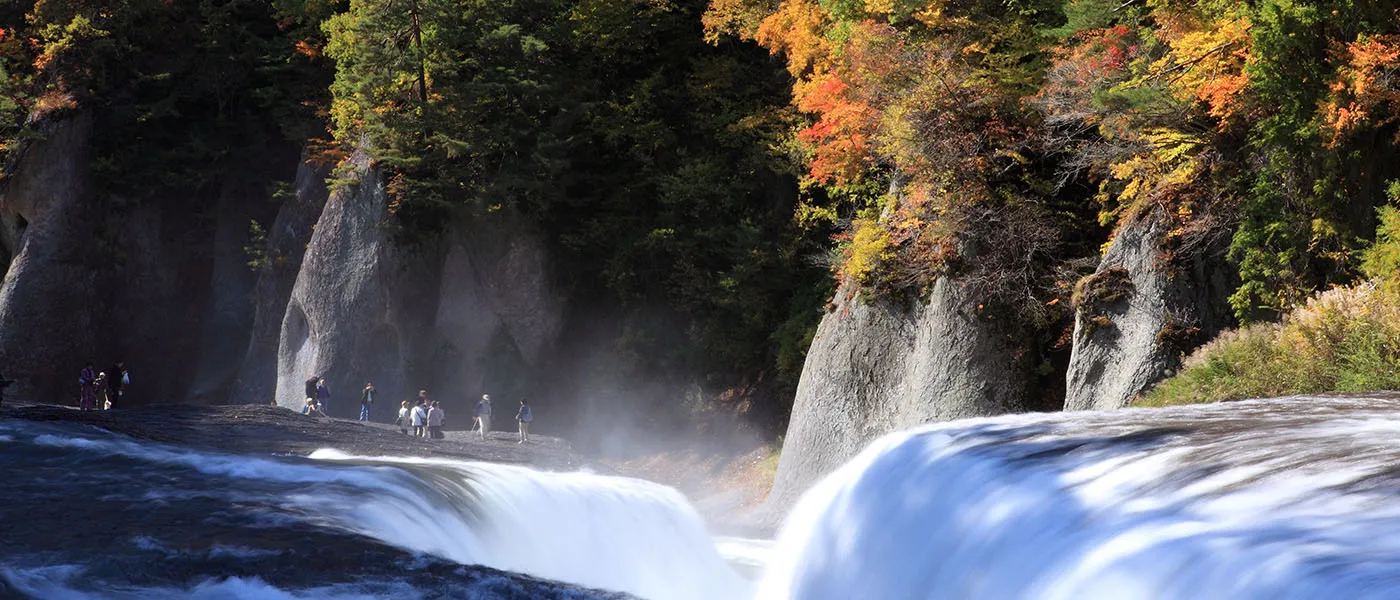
524	416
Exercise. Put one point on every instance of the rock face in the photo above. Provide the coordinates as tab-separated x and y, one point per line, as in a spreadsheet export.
160	282
874	368
1137	313
454	314
286	242
46	311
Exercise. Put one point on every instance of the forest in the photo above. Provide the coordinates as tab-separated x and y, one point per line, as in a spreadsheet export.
715	169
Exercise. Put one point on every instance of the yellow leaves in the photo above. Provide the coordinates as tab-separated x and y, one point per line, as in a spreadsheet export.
1207	65
1171	163
869	247
797	30
879	7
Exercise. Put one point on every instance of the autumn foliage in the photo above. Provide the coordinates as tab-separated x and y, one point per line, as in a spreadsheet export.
1261	124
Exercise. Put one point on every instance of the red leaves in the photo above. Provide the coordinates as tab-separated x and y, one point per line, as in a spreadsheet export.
841	136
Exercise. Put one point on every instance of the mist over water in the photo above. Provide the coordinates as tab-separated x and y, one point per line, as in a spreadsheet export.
1294	498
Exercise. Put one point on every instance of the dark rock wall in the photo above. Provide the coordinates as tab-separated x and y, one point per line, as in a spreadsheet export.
158	281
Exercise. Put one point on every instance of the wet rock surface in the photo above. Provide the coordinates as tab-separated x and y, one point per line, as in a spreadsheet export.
266	430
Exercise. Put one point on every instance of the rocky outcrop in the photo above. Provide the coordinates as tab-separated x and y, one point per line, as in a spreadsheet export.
875	367
466	311
47	316
1140	310
284	248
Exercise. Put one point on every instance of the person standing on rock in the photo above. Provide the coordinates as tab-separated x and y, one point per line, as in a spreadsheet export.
404	417
117	380
435	416
311	387
483	414
420	418
524	416
88	398
99	387
366	400
323	394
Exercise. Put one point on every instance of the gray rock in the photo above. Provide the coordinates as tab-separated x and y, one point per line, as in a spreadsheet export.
471	310
339	323
875	367
1137	314
287	238
46	313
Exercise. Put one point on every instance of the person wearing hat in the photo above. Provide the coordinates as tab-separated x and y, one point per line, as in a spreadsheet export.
483	414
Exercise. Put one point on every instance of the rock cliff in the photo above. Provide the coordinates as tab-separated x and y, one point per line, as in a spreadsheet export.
1140	310
47	316
875	367
284	248
456	312
157	281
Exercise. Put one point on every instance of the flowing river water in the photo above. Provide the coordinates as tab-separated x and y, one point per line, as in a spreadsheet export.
1277	499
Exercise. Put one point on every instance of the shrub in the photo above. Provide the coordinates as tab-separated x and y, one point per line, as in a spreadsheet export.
1342	340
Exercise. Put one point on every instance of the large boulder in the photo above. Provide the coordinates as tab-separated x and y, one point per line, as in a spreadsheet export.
876	367
1140	310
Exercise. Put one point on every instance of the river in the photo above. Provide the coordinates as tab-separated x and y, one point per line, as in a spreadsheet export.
1277	499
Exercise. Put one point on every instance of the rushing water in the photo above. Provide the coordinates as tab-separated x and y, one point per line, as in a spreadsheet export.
1280	499
1292	498
88	514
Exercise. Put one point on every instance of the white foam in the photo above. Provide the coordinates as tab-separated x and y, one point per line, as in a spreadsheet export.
1284	499
613	533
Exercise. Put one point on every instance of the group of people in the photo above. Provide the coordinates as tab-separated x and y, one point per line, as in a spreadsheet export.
104	388
317	396
423	416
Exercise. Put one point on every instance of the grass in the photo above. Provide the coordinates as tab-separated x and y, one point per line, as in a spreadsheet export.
1343	340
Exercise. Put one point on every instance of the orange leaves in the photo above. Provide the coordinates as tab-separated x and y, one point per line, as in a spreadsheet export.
1367	88
1207	65
308	48
841	136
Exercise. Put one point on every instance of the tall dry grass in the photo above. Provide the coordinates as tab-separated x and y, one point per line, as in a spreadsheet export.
1343	340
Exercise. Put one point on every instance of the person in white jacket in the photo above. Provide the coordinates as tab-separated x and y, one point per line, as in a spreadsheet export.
420	420
435	416
483	414
405	418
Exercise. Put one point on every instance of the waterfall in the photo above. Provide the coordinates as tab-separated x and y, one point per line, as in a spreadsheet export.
1279	499
170	522
613	533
